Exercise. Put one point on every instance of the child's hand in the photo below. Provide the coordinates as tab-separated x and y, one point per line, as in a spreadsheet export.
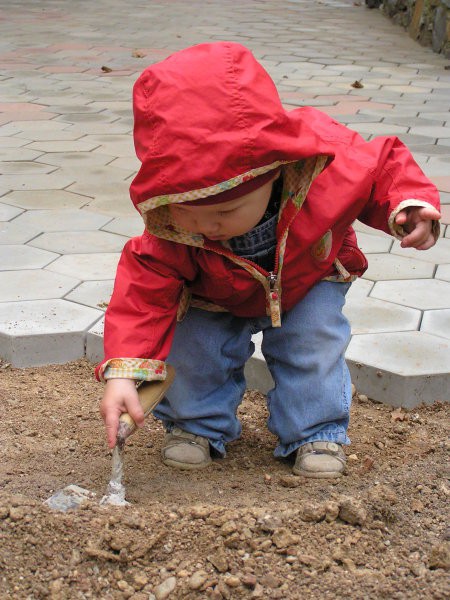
417	222
120	396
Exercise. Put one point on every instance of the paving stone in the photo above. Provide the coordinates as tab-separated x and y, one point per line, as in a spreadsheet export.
74	242
44	332
37	284
103	267
12	232
443	271
128	226
419	293
401	369
23	168
45	199
61	220
13	257
370	244
8	212
74	159
368	315
92	293
94	343
437	322
359	289
438	254
388	266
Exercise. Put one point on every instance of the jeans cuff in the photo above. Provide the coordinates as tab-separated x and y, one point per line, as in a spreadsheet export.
283	450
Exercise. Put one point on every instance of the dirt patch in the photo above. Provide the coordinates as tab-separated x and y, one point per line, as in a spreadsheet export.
244	528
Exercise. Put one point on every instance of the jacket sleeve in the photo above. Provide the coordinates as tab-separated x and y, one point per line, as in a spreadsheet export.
398	183
141	316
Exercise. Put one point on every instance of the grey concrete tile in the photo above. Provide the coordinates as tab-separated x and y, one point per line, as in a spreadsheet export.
401	369
437	322
431	131
37	284
359	289
76	242
388	266
18	154
12	232
93	293
423	294
371	244
44	332
94	342
443	271
104	267
61	220
24	168
14	257
128	226
74	159
52	181
8	212
368	315
438	254
45	199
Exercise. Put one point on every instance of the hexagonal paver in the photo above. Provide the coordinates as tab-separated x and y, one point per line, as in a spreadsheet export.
420	293
37	284
370	244
45	199
8	212
94	342
87	268
438	254
73	242
14	257
359	289
43	332
93	293
437	322
401	369
368	315
443	272
61	220
12	232
389	266
129	226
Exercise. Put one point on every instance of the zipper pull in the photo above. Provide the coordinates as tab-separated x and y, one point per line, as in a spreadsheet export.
274	300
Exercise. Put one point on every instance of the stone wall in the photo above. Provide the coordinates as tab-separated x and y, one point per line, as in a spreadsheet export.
428	21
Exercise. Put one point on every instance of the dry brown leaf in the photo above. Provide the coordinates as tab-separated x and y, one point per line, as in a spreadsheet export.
106	69
357	84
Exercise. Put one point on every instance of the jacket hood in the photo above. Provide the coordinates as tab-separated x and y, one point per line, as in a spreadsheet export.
209	118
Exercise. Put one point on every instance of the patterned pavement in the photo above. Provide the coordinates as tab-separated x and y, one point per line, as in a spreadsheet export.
67	158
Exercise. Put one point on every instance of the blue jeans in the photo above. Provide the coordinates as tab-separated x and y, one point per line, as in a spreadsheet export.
312	394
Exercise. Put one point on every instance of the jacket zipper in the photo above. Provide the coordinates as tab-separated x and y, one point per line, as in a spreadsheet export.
273	289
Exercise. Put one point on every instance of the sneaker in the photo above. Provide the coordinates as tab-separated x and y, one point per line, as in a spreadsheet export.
184	450
320	459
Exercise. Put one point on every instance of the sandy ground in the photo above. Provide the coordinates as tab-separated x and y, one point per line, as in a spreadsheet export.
243	528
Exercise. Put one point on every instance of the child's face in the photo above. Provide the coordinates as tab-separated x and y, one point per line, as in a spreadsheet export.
227	219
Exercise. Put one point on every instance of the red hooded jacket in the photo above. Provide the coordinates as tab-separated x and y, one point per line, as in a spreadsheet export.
207	119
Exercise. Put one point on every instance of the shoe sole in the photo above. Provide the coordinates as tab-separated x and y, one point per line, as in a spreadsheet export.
318	474
186	466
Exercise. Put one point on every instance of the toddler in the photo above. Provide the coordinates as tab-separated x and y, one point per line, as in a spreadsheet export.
248	211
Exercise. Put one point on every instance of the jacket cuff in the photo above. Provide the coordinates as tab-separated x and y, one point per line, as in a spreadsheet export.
140	369
397	230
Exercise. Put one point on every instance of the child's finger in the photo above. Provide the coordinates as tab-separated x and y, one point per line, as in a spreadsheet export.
135	411
111	427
